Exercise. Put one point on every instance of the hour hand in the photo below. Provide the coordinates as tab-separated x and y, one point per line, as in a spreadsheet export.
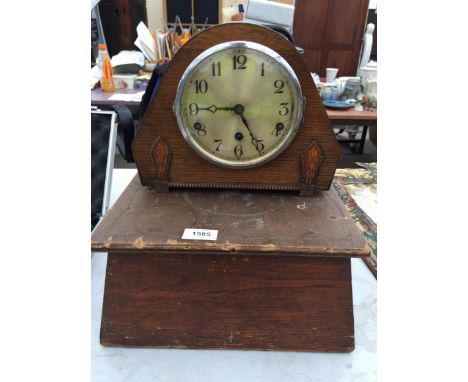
214	108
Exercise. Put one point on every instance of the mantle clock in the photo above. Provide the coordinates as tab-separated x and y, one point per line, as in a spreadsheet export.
237	113
237	109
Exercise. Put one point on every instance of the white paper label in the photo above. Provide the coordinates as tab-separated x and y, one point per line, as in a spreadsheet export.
200	234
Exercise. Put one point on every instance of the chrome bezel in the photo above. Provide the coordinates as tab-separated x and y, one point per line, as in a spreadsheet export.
298	112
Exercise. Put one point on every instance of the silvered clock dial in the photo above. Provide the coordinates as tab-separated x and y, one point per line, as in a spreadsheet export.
239	104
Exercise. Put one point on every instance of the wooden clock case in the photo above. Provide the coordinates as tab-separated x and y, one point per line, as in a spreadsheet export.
165	160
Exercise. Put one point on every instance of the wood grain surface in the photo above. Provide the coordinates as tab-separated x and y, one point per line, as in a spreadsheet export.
254	222
228	302
352	114
188	169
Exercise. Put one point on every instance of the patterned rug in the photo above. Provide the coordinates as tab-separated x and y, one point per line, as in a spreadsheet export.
357	189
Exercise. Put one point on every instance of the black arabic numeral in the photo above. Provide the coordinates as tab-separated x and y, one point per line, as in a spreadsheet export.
259	145
262	73
284	109
238	151
279	85
216	68
201	86
200	128
218	141
239	62
193	109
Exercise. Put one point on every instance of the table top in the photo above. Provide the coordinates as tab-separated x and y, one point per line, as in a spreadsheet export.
260	222
128	97
132	365
352	114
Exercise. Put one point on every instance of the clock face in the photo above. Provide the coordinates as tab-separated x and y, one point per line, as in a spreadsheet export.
239	104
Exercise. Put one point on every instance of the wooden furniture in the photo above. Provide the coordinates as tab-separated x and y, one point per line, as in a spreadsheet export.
119	20
277	277
363	118
165	160
330	32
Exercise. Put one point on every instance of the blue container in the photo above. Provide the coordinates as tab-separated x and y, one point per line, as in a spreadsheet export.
329	92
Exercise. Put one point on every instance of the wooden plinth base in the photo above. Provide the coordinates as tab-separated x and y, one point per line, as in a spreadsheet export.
214	301
277	277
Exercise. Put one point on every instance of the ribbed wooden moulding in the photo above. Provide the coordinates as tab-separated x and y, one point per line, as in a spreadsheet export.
291	170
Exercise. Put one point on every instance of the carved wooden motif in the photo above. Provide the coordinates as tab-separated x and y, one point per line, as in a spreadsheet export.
161	156
188	169
311	160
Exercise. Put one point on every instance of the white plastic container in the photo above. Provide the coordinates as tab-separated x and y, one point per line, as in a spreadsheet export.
124	81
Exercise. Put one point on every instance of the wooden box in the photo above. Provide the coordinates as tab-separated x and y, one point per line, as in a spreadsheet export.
278	277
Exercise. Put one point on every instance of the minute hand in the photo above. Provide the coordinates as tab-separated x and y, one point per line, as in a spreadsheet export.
254	140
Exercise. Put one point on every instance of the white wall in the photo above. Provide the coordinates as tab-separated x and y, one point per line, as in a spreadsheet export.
155	14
